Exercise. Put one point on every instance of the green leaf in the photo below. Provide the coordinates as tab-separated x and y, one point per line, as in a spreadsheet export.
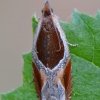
34	23
83	30
27	90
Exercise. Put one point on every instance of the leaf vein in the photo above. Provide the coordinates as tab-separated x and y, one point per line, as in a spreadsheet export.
91	33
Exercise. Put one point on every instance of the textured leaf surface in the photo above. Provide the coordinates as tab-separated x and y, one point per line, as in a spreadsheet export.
83	30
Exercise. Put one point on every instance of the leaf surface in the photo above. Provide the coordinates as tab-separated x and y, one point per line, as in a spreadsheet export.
84	30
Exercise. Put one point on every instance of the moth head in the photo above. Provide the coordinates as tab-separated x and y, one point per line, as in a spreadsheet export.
47	11
52	88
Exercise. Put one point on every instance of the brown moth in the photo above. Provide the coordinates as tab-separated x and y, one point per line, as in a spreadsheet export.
51	59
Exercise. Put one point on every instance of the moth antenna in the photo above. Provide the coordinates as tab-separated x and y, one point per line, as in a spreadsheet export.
73	45
59	44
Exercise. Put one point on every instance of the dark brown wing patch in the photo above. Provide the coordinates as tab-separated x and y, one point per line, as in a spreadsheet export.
48	44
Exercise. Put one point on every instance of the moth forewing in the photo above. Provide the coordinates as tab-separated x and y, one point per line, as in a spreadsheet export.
34	49
37	74
63	62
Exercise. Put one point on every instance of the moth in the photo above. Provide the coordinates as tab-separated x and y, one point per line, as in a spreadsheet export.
51	60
